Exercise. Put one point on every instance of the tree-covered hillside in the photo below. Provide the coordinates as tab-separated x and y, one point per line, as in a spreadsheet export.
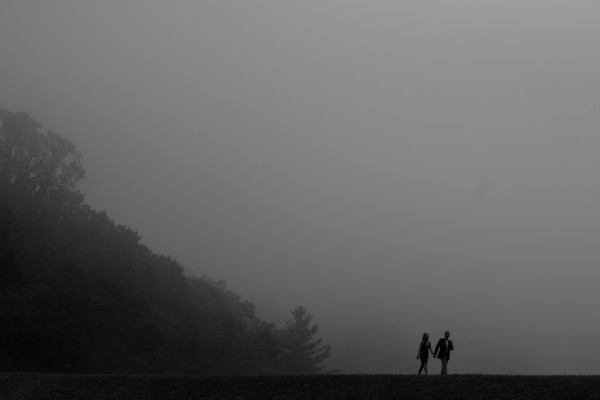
81	293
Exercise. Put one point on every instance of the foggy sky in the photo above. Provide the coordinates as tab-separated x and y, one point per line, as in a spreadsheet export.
395	166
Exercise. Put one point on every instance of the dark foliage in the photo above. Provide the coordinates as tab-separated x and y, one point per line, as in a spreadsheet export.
36	162
80	293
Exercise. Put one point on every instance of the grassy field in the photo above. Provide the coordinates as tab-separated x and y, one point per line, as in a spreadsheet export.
55	386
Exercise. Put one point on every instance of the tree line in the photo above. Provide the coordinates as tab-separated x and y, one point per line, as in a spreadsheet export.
81	293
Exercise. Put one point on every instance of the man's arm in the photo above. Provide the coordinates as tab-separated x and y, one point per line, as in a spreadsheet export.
450	345
437	347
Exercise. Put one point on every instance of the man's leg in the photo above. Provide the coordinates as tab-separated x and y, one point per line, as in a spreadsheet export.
444	366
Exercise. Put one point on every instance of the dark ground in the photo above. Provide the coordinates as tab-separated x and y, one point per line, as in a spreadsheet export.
16	386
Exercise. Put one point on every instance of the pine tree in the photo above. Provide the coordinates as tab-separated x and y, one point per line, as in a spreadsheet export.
302	353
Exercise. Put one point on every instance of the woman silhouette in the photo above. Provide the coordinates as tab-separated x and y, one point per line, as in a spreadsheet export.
423	354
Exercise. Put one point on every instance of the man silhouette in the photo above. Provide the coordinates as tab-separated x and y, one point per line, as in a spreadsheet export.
444	345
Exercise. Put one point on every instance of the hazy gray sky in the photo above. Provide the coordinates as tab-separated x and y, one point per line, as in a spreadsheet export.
395	166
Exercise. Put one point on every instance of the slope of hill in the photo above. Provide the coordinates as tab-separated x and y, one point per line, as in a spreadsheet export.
80	293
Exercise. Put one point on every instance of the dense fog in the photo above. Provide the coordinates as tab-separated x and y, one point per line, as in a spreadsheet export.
396	167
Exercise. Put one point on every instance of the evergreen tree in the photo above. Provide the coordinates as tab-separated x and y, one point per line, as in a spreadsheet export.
302	352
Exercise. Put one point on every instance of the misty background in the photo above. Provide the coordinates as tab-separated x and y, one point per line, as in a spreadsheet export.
396	167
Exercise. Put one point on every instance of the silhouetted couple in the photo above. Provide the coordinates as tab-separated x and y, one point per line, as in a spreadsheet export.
442	351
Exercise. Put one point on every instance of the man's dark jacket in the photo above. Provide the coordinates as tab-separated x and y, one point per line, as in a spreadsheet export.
443	351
